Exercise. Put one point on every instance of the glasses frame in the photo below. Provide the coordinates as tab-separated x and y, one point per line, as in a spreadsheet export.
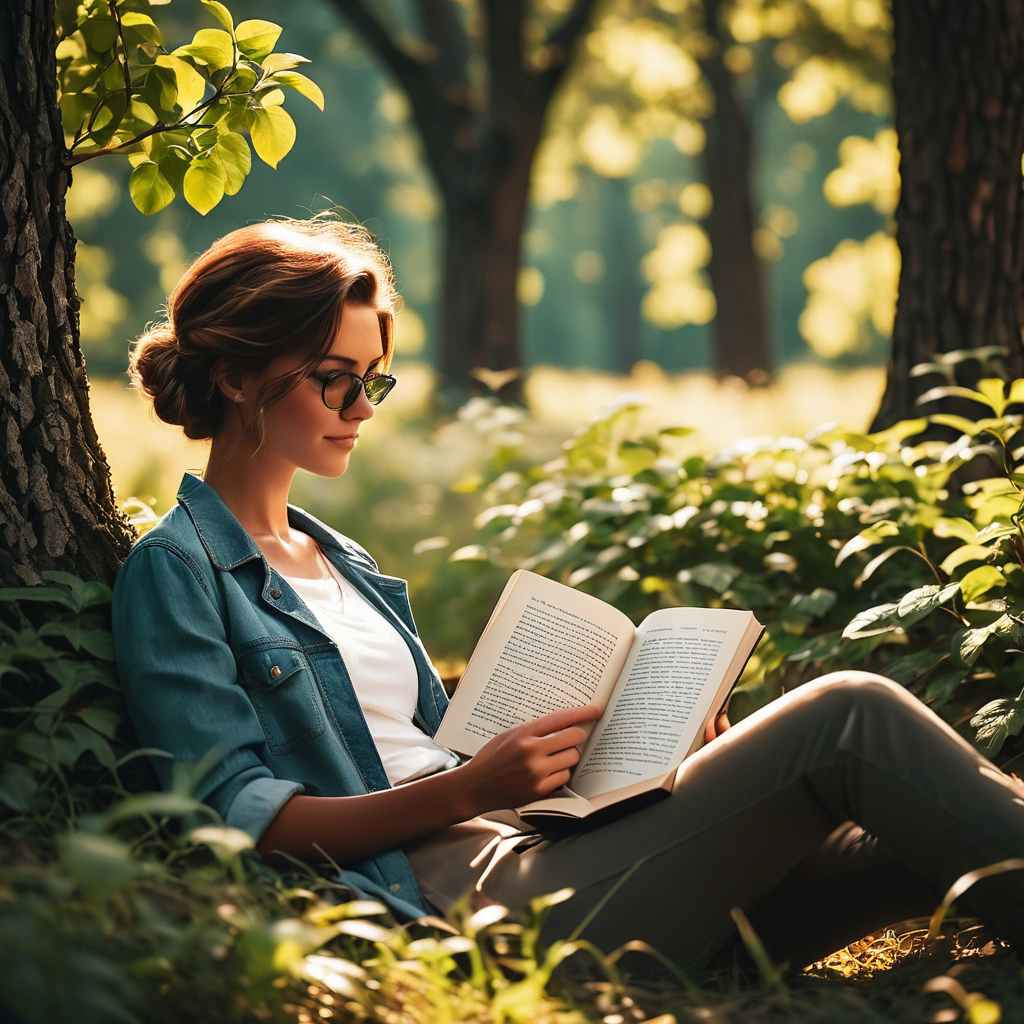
353	393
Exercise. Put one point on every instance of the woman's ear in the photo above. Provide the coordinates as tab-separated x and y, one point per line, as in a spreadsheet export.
230	385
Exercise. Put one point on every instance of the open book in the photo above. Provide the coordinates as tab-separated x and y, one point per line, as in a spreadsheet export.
547	646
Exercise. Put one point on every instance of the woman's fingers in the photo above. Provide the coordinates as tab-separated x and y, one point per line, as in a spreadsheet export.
564	738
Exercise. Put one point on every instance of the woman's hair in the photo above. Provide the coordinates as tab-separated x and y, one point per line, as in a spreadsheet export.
269	289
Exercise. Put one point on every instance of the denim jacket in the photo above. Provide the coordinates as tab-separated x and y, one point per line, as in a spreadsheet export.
215	649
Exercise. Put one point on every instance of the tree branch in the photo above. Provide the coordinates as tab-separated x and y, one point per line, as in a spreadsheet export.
407	68
443	28
564	41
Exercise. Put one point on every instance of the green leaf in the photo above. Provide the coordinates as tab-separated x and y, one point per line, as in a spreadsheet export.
955	527
256	38
963	555
191	86
867	538
150	191
17	786
221	13
979	581
954	391
879	560
971	641
716	576
302	85
233	152
99	864
136	19
993	389
100	32
940	690
961	423
210	46
163	804
226	842
204	185
872	622
996	721
283	61
1016	392
273	135
923	601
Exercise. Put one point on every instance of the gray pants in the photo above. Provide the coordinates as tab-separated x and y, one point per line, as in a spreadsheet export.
842	806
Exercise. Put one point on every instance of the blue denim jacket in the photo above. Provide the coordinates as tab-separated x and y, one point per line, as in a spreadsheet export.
215	649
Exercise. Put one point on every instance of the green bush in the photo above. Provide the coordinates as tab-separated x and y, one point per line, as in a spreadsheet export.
119	903
853	549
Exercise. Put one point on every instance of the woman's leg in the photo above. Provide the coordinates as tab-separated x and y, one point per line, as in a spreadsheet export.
747	809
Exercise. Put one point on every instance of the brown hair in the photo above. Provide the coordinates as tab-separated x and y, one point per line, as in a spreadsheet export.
258	292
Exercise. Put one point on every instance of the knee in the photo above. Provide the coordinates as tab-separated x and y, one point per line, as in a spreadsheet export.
852	684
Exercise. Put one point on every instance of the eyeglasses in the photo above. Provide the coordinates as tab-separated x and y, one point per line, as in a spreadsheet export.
341	389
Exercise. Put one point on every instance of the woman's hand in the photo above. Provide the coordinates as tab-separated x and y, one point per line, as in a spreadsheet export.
716	726
527	762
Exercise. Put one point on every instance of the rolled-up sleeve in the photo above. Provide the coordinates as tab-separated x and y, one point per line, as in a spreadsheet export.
178	675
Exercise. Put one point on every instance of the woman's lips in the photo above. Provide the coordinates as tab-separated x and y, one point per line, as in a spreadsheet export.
348	441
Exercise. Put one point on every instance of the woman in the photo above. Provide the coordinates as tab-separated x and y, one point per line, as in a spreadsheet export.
267	651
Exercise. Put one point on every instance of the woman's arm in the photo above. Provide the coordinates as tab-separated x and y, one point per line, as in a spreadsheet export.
513	768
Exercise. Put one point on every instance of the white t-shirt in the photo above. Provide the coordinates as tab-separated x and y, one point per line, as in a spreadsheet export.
383	675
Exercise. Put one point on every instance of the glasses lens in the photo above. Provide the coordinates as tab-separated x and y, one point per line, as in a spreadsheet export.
340	391
377	388
343	390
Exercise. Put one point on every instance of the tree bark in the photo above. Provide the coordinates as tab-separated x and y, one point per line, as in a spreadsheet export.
479	148
742	343
57	505
958	84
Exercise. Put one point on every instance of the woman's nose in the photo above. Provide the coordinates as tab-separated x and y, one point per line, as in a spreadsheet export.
360	409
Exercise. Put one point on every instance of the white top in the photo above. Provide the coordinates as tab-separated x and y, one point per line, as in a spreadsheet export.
383	675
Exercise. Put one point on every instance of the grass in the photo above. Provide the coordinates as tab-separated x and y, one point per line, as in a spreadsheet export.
889	976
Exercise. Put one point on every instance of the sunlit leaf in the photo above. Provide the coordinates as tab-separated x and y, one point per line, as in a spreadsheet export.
204	185
149	189
273	135
302	85
221	13
256	37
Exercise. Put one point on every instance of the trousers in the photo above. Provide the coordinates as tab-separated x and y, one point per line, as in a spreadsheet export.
843	805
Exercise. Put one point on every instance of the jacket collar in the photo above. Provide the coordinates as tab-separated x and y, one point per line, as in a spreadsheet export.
227	542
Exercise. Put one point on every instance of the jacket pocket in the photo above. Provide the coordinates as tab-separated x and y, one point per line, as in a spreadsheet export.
283	690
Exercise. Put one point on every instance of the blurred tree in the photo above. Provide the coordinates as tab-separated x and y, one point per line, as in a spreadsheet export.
742	342
479	140
958	81
119	91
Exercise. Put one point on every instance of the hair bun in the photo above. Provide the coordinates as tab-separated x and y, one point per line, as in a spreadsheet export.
181	396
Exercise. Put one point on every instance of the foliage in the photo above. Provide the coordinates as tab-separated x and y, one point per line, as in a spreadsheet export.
125	894
180	115
853	549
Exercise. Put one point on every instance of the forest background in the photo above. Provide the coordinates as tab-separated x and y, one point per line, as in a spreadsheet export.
614	281
691	414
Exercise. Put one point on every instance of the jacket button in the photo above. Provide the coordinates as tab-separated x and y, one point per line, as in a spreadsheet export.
395	886
275	593
275	670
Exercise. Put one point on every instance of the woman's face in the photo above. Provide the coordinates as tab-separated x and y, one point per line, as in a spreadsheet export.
299	429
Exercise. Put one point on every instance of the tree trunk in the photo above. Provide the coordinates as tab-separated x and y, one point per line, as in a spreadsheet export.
57	507
958	84
742	340
622	287
479	146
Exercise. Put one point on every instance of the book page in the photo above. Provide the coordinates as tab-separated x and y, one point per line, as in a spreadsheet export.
672	674
546	647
